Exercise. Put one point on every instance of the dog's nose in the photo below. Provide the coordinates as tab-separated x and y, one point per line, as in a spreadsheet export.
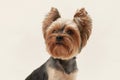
59	38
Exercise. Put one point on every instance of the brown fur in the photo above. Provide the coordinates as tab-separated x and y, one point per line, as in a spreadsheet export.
84	23
52	16
71	44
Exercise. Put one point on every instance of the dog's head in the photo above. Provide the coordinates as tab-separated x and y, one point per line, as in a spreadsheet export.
65	38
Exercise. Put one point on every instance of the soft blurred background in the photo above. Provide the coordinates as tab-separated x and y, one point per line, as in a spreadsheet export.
22	47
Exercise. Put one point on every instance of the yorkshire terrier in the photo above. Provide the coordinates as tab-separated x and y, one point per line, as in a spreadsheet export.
64	40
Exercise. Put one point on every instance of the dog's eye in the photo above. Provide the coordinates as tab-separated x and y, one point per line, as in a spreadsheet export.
54	31
70	32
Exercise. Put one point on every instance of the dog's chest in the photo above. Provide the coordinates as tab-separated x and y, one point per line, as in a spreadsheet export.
54	74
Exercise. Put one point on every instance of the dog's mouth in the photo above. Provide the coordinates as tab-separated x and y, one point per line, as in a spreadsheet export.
61	48
59	43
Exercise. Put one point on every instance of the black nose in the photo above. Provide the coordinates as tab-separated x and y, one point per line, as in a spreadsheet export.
59	38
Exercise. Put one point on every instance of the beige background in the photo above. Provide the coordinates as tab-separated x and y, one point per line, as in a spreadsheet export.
22	47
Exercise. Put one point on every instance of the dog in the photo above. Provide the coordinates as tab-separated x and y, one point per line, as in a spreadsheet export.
64	39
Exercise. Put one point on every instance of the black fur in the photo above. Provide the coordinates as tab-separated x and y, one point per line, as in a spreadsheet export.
38	74
67	66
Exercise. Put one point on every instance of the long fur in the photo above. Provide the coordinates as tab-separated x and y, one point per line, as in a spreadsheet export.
52	16
64	40
84	23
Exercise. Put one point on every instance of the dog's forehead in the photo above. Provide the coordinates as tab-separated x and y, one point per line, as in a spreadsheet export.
66	22
63	22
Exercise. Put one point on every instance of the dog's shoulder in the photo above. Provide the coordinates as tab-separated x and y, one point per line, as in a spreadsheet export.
39	74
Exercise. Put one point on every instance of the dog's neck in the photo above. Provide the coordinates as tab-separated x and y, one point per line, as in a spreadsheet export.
67	66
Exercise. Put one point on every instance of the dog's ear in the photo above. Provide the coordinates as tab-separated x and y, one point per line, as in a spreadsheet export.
51	16
84	24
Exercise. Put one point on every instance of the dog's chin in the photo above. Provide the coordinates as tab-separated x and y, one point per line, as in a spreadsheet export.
61	51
